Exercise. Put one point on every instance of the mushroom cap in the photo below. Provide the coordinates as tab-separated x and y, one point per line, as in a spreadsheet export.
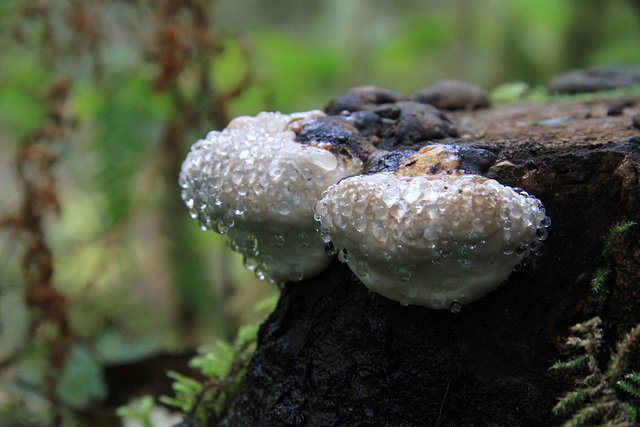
254	181
431	240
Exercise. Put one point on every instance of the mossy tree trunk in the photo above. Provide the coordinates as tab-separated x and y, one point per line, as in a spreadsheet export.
333	353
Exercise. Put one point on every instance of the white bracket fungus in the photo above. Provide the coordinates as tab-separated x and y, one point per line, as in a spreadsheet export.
256	184
436	240
422	232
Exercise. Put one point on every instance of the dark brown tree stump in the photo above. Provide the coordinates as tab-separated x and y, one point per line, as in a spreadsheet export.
335	354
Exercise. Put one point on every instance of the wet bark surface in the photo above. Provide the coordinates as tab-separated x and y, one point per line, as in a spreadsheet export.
335	354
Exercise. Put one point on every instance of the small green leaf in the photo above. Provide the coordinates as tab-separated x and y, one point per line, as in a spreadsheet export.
267	305
246	334
184	384
171	401
127	412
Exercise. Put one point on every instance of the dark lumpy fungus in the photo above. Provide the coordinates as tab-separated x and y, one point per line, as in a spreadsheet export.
383	129
452	94
415	123
363	98
475	160
594	79
336	134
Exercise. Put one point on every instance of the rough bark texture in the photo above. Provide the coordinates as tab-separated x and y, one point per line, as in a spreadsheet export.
335	354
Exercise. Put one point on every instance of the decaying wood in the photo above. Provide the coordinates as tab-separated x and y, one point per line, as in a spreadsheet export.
334	353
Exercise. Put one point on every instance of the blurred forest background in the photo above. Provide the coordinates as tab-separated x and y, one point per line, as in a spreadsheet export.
100	263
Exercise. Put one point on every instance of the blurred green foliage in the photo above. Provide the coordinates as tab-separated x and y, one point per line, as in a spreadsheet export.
148	78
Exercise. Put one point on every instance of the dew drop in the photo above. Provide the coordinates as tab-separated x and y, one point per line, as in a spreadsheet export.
380	232
228	220
437	299
381	212
465	263
304	240
324	234
360	224
411	194
478	225
236	176
516	211
430	234
284	208
277	241
343	255
250	263
446	252
455	307
222	228
509	247
405	274
330	249
321	208
250	245
360	205
295	275
390	197
399	209
340	221
537	248
523	251
259	273
363	269
546	222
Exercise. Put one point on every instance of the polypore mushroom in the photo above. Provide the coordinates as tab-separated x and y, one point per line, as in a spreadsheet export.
436	240
255	183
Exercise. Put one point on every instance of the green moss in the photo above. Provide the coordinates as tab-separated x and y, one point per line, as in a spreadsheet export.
608	397
602	274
